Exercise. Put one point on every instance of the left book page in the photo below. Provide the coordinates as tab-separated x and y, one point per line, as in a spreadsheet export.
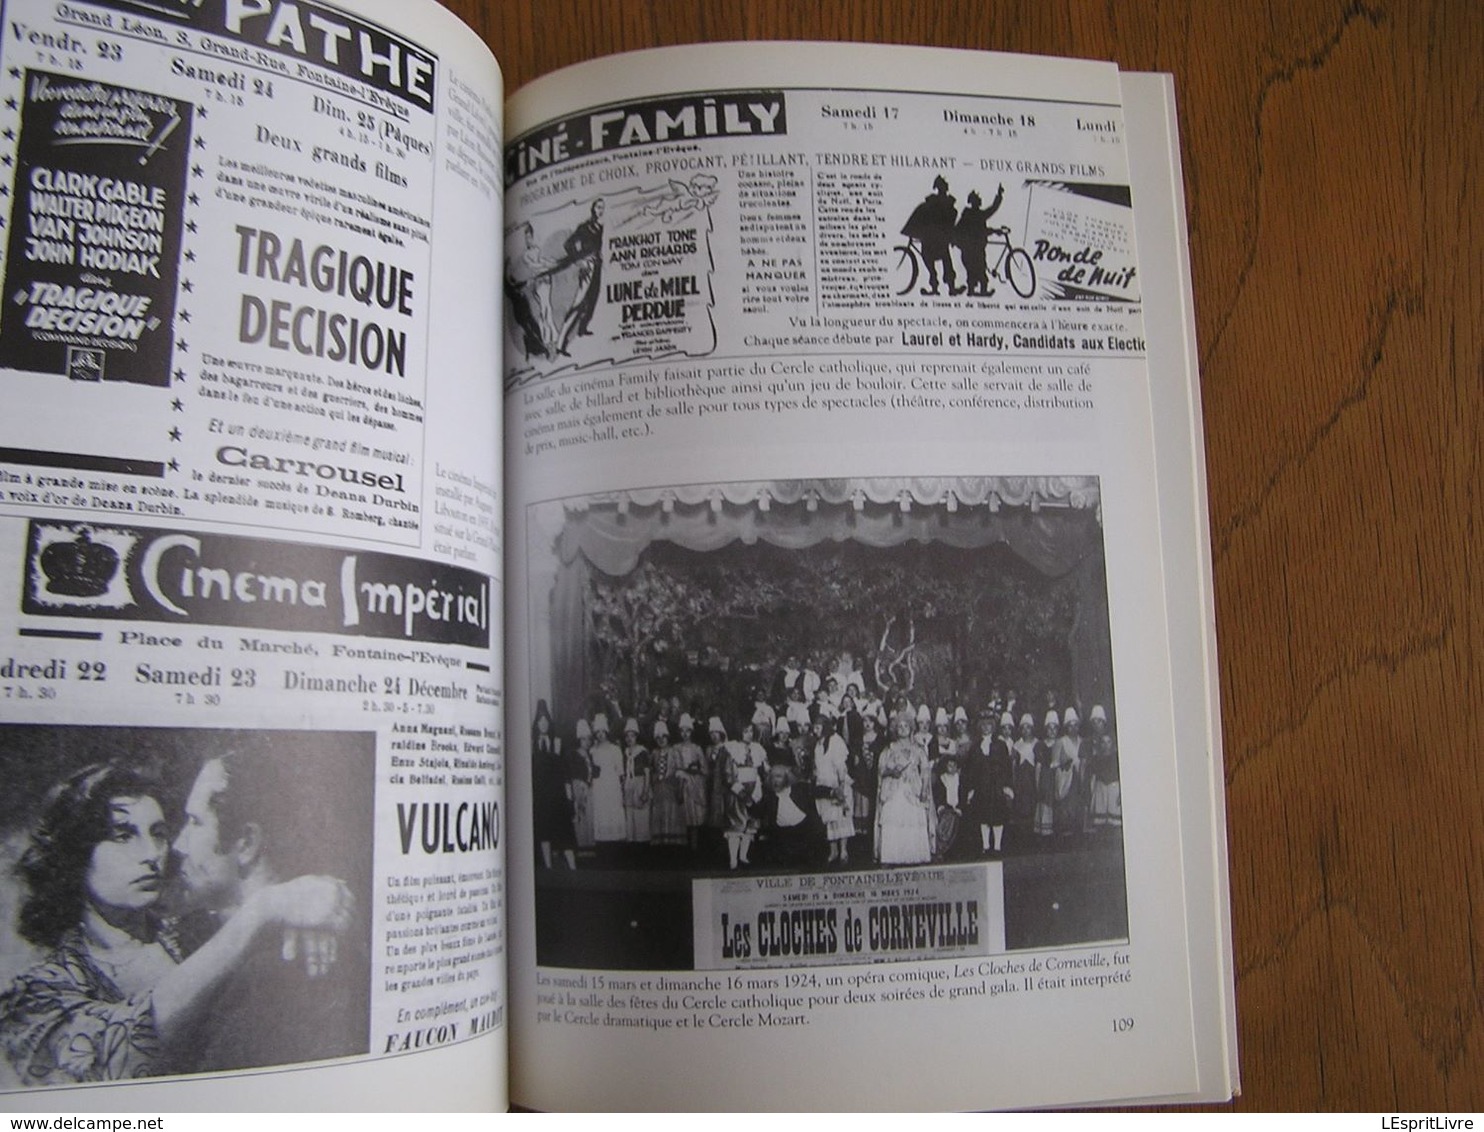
250	699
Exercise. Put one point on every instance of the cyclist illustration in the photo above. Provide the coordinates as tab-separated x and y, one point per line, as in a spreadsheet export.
971	235
931	226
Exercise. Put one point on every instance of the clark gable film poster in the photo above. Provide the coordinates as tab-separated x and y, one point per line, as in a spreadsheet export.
95	231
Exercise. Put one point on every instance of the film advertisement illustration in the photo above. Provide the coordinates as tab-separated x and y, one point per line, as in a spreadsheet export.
93	570
823	721
126	851
95	230
611	279
1049	240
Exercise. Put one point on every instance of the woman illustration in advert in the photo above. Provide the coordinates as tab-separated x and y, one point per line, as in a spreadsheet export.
539	268
112	992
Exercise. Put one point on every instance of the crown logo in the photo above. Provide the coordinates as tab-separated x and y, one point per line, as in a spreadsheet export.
80	567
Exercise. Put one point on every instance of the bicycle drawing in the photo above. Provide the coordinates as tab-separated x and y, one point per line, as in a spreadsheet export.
936	227
1013	266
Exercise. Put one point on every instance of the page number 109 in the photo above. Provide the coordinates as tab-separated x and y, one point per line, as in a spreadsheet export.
1122	1025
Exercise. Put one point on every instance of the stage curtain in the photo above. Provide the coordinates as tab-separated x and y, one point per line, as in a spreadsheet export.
1077	492
1091	642
1051	522
569	660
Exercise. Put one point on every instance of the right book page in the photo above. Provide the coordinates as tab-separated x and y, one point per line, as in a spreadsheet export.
1174	374
845	731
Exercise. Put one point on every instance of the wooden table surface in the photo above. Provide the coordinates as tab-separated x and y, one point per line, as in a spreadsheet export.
1333	176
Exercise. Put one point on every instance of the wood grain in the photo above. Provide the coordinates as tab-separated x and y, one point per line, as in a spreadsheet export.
1332	169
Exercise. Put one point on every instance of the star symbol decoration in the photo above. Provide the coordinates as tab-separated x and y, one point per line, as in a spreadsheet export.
178	405
196	170
194	199
190	255
175	433
174	465
179	374
187	286
200	142
191	227
185	316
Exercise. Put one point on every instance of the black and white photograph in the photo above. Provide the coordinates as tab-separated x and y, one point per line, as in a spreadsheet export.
846	677
181	900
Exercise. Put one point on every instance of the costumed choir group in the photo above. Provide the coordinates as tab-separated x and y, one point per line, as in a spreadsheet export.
822	774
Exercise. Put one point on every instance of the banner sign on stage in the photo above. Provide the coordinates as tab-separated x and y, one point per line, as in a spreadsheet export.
828	919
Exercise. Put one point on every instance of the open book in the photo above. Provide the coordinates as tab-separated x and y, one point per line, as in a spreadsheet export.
584	601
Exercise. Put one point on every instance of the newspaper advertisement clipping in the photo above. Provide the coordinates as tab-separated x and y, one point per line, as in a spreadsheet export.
250	695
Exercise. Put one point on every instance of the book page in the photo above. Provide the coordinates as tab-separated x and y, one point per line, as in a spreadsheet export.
1169	322
837	607
250	704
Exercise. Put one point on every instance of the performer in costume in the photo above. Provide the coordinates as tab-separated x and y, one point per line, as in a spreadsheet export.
903	797
609	824
1023	779
1105	795
691	760
1046	789
833	788
787	820
743	767
951	833
667	790
636	770
551	793
579	770
1071	777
